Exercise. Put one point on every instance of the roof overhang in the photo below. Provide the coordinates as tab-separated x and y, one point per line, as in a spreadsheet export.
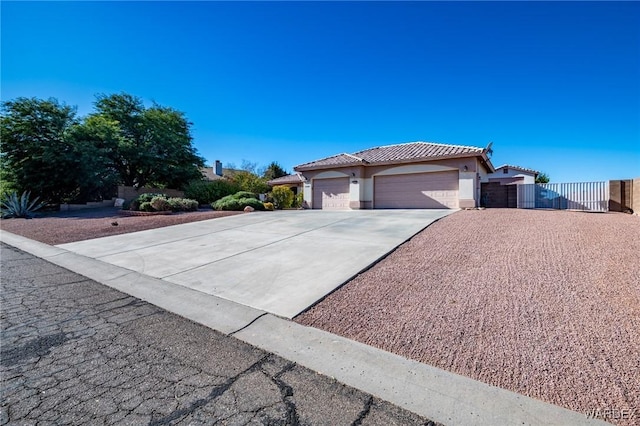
484	160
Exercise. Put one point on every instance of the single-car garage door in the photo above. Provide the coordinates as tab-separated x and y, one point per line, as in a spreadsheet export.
436	190
331	194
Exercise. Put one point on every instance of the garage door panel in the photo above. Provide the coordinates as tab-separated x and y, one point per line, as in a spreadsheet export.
419	190
331	194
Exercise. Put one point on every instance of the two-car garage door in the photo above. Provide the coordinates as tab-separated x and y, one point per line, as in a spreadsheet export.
436	190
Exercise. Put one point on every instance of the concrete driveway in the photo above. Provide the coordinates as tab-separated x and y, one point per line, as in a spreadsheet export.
280	262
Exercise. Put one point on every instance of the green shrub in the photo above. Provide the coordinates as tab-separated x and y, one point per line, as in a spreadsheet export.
160	204
136	203
208	192
236	204
182	204
14	206
244	194
298	200
148	197
268	206
146	206
282	197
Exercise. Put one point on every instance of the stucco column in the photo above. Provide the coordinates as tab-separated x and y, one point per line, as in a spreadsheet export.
467	189
307	195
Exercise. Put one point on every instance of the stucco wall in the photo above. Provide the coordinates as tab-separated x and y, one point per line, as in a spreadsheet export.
635	203
361	179
620	195
129	192
526	177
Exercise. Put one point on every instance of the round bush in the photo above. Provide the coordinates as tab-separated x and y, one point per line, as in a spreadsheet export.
283	196
146	207
160	204
235	204
244	194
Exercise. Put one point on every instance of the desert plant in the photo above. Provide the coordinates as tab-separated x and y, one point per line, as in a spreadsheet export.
160	204
14	206
143	198
244	194
230	202
282	196
182	204
146	206
268	206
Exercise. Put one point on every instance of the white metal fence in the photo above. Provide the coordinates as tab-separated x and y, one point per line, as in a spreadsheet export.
588	196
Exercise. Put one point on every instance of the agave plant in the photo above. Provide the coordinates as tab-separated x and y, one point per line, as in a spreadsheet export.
15	206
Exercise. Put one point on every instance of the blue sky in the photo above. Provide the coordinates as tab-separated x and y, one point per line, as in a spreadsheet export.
555	86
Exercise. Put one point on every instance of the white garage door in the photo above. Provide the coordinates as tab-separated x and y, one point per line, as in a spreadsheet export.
438	190
331	194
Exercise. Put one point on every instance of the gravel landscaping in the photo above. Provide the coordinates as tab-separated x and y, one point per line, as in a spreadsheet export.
543	303
68	227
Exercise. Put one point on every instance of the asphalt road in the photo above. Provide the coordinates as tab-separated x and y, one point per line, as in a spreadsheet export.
73	351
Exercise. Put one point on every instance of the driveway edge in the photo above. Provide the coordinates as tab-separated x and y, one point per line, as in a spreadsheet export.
427	391
211	311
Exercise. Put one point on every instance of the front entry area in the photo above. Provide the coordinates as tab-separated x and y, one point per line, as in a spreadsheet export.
436	190
331	194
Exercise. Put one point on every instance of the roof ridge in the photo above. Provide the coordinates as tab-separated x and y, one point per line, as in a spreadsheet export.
423	142
353	156
513	166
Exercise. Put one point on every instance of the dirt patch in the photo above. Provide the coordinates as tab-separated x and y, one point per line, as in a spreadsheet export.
543	303
67	227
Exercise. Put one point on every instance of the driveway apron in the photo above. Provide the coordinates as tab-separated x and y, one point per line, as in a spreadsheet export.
280	262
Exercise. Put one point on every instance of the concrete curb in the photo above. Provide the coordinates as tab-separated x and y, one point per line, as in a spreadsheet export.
437	394
211	311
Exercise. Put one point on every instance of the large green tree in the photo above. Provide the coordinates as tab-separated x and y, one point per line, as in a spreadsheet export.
48	150
153	145
39	153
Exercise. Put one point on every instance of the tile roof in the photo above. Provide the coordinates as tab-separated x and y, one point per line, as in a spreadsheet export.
412	151
336	160
522	169
294	178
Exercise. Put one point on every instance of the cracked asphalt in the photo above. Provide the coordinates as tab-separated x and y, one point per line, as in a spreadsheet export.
73	351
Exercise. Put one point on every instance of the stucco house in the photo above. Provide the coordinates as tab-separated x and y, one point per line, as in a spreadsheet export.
294	181
508	175
408	175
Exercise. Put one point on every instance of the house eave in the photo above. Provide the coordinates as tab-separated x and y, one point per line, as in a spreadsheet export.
483	156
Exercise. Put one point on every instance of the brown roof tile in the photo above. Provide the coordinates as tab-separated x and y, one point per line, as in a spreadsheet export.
336	160
522	169
392	153
295	178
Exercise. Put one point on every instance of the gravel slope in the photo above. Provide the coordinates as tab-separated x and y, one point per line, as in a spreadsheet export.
544	303
67	227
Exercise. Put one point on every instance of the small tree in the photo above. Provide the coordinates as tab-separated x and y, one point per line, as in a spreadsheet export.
207	192
248	181
274	171
542	178
282	197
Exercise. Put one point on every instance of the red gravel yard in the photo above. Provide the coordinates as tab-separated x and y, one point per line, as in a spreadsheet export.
543	303
68	227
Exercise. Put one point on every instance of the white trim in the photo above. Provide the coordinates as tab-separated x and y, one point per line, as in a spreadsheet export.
330	174
415	168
